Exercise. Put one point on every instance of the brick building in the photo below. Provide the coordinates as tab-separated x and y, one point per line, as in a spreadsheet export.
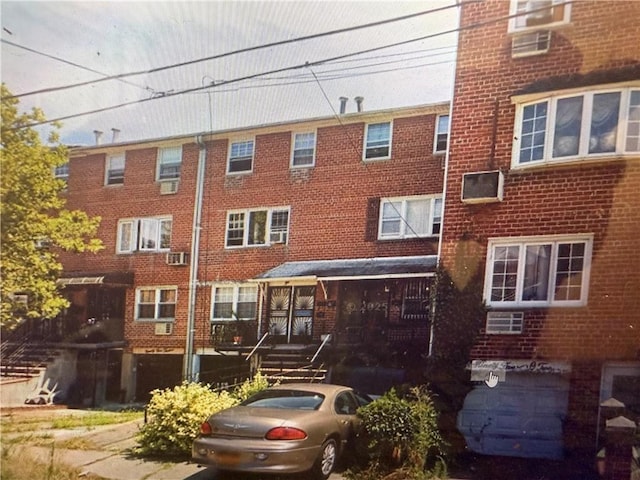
314	230
542	206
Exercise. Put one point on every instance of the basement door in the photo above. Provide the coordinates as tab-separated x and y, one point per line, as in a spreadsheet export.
291	313
521	417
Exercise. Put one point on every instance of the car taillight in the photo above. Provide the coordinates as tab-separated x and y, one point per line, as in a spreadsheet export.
286	433
205	428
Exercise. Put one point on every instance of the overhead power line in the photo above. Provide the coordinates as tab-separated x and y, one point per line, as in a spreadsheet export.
235	52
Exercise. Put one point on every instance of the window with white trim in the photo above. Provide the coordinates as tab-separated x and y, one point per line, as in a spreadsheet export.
240	157
377	142
536	14
249	228
409	217
61	172
234	302
156	303
538	272
304	149
441	141
575	126
152	234
114	171
169	163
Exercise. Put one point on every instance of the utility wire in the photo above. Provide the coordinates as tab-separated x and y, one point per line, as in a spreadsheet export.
241	50
73	64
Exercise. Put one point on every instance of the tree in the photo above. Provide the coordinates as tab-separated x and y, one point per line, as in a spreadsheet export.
35	226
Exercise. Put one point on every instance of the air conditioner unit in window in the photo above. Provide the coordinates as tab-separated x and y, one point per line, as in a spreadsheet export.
164	328
278	237
505	322
482	187
168	187
535	43
177	258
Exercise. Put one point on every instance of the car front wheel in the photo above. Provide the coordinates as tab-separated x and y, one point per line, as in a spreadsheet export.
326	461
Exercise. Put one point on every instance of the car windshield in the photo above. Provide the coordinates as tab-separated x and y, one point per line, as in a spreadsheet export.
288	399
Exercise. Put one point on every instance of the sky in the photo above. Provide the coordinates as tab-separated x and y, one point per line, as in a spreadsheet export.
120	37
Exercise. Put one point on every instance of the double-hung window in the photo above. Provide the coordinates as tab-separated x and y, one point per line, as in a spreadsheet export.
538	272
441	140
156	303
234	302
304	148
240	157
61	172
248	228
409	217
169	163
528	15
377	142
152	234
578	126
114	171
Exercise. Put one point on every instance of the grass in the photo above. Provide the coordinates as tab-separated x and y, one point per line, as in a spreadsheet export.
18	423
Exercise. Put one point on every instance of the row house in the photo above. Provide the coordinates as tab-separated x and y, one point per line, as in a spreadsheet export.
542	208
267	246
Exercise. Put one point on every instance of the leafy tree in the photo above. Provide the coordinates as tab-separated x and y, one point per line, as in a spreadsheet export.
35	223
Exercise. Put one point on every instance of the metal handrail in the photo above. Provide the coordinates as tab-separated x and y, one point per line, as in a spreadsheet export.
324	342
260	342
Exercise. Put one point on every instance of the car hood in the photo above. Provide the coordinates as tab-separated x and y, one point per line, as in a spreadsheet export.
255	422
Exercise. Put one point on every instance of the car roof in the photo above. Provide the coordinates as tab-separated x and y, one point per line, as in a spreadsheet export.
323	388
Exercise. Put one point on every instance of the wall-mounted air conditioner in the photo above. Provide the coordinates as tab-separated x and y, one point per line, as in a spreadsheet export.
168	187
505	322
164	328
482	187
528	44
177	258
278	237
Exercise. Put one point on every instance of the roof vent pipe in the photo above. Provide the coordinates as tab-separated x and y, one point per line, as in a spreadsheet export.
359	101
114	134
98	135
343	104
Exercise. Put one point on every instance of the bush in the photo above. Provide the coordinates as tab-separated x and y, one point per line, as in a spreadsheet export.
402	435
174	415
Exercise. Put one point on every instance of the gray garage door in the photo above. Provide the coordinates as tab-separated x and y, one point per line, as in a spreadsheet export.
520	417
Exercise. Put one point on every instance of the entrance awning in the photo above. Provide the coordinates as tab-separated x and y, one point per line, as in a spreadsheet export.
352	269
112	279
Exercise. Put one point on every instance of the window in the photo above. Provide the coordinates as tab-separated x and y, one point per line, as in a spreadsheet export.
61	172
409	217
257	227
169	163
538	272
144	235
534	14
304	147
240	157
115	170
586	125
378	141
156	303
234	302
442	134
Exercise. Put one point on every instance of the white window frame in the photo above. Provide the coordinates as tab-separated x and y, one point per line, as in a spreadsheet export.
518	24
522	243
551	102
61	172
156	303
406	231
388	145
129	234
169	157
108	169
439	132
236	296
294	150
270	231
231	158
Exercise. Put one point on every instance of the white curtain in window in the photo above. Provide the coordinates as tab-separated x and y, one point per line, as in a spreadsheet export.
568	122
148	234
417	217
536	273
604	122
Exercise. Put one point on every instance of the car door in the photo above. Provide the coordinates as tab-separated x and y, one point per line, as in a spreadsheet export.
346	406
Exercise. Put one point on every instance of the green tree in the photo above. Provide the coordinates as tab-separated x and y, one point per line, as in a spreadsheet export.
35	226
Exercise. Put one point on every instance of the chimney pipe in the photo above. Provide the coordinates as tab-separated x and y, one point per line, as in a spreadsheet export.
115	133
359	101
98	135
343	104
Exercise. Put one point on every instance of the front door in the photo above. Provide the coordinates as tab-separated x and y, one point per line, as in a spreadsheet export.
291	313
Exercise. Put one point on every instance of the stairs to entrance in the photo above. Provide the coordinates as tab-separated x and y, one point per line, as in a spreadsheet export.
292	363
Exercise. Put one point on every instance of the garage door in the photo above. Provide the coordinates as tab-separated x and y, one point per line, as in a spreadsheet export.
520	417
